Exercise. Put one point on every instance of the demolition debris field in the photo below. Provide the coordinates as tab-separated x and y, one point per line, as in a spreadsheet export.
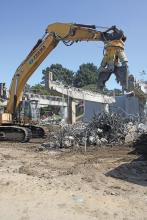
48	184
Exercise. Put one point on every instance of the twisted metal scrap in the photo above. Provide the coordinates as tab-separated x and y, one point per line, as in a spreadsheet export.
104	128
113	127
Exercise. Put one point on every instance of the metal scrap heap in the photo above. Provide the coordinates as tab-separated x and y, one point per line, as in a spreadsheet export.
108	126
105	129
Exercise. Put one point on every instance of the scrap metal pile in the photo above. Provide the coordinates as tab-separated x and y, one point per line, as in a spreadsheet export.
105	129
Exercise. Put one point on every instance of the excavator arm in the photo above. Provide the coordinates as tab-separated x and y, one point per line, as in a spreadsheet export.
68	34
12	126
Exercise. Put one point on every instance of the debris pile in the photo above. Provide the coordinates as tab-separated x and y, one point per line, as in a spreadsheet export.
108	127
104	129
67	136
132	132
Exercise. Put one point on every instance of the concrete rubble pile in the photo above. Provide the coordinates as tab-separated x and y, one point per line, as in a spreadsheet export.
105	129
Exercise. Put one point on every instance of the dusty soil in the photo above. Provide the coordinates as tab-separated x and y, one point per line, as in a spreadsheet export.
108	183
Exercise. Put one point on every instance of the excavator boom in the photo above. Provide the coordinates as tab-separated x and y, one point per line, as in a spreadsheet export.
54	33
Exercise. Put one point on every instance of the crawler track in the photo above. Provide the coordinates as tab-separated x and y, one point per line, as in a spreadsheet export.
37	131
14	133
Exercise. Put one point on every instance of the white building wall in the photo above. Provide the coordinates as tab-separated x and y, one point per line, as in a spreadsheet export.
128	106
92	108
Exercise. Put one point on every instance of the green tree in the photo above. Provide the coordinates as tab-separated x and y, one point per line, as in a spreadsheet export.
39	89
118	92
59	73
86	74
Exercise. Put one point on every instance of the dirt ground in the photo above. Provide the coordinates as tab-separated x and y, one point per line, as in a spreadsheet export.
108	183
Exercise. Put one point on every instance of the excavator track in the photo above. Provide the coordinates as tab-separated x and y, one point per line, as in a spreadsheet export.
14	134
37	131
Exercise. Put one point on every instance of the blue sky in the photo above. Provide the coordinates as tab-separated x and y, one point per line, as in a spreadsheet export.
23	22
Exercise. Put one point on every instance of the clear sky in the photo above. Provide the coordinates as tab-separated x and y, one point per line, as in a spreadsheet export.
23	22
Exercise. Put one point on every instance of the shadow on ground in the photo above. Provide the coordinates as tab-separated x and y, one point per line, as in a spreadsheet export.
136	170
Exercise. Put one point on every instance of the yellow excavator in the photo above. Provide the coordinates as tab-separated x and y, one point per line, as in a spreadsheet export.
14	124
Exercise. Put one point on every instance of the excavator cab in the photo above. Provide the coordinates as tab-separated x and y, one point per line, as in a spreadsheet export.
28	112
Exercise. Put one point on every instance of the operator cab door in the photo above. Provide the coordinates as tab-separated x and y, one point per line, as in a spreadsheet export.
28	112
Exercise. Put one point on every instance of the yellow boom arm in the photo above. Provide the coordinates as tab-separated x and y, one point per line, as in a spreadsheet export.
54	33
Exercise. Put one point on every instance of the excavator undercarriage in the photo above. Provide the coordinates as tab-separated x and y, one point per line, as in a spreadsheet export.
21	134
15	133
